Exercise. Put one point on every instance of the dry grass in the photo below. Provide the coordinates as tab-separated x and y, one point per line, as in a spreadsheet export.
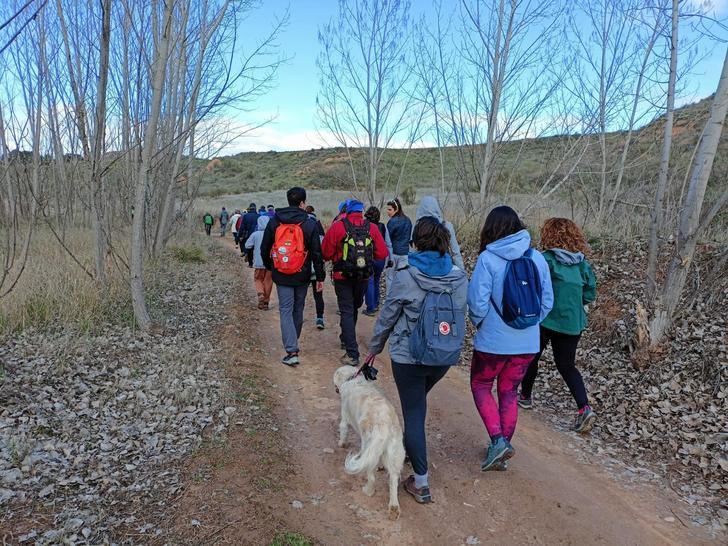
54	290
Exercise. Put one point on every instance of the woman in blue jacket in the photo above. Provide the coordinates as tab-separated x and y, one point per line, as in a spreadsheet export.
501	353
398	234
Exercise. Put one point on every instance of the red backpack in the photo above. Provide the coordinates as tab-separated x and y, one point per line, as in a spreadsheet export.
289	251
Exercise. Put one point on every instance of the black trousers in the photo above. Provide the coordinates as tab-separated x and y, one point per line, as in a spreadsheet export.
350	297
208	228
564	348
318	298
413	382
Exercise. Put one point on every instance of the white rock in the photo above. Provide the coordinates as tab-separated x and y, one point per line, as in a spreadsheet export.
297	504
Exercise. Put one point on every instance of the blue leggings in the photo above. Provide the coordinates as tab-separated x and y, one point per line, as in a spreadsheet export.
413	382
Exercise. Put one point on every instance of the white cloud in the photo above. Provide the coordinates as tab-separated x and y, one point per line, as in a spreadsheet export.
720	7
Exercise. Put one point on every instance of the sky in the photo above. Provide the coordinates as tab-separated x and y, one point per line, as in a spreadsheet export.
291	103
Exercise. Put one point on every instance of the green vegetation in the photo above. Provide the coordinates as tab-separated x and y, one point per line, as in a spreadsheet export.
291	539
188	254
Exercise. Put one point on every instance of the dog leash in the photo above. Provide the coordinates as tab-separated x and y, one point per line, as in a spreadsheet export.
367	369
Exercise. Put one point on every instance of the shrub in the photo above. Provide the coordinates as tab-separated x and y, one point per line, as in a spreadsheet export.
408	195
188	254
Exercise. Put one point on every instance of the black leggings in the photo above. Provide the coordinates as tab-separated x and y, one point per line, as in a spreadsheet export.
564	348
318	297
413	382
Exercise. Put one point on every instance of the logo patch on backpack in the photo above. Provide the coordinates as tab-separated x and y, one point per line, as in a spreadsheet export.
289	251
357	256
445	328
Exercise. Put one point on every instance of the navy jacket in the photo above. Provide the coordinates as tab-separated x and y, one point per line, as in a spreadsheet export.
249	225
400	232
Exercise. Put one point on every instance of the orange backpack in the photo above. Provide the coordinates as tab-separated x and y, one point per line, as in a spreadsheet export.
288	252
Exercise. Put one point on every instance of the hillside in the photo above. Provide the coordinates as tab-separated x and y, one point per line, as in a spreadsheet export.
521	165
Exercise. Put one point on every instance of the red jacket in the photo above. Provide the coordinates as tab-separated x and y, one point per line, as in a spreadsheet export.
332	247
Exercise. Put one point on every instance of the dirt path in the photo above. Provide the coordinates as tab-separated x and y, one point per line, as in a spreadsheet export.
547	496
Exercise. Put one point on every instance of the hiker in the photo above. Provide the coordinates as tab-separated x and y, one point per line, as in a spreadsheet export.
352	244
290	247
575	286
271	211
209	221
420	355
262	278
430	207
399	231
318	297
510	293
371	298
262	210
234	223
224	217
342	212
248	226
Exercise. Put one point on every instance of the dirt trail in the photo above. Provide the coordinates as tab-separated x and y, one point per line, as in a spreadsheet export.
547	496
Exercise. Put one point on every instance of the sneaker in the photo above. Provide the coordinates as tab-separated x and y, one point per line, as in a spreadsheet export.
291	359
584	420
320	323
421	495
350	361
372	313
497	452
525	403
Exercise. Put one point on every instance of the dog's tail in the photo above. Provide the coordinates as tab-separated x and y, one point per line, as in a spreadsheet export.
369	456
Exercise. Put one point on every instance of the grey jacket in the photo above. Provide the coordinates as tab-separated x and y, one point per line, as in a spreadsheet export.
401	308
430	207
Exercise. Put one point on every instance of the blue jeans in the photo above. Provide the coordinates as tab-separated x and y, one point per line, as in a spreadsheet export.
291	301
413	382
372	296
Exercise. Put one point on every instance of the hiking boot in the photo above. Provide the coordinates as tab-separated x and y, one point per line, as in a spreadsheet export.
498	452
372	313
350	361
291	359
584	420
525	403
421	495
320	323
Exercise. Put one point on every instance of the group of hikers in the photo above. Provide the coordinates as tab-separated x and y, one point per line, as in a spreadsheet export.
518	299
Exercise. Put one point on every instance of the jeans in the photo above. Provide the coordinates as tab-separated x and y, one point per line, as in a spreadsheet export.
564	348
372	295
223	229
291	301
509	370
413	382
318	298
350	296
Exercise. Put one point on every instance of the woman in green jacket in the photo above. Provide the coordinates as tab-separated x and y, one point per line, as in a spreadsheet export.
574	286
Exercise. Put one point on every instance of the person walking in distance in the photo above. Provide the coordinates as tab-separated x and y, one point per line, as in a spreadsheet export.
353	244
224	217
575	286
371	299
430	207
421	355
234	224
318	297
398	234
209	221
248	226
510	293
290	247
262	278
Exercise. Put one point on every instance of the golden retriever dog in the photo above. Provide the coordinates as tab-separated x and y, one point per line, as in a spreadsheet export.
369	413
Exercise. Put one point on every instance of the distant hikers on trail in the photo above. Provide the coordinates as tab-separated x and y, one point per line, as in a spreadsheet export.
519	300
208	220
224	217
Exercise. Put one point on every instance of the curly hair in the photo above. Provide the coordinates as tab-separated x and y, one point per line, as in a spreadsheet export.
373	215
563	233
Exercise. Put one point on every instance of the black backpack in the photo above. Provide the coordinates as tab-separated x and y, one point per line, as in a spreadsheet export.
357	258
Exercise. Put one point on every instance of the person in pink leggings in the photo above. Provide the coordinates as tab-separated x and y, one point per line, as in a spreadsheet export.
503	349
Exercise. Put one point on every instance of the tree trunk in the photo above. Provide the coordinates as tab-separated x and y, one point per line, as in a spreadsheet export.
141	314
657	216
690	226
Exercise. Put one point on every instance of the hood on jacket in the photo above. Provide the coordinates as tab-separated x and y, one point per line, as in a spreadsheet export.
567	258
431	263
291	215
429	207
262	222
511	247
453	279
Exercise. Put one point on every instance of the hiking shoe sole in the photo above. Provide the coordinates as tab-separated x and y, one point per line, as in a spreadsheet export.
525	403
587	424
291	361
422	496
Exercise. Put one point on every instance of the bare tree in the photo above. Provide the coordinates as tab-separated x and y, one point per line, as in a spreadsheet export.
363	99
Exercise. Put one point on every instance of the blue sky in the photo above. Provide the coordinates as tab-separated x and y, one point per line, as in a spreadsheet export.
293	99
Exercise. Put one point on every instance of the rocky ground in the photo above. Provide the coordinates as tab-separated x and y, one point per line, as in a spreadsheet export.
94	428
670	420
